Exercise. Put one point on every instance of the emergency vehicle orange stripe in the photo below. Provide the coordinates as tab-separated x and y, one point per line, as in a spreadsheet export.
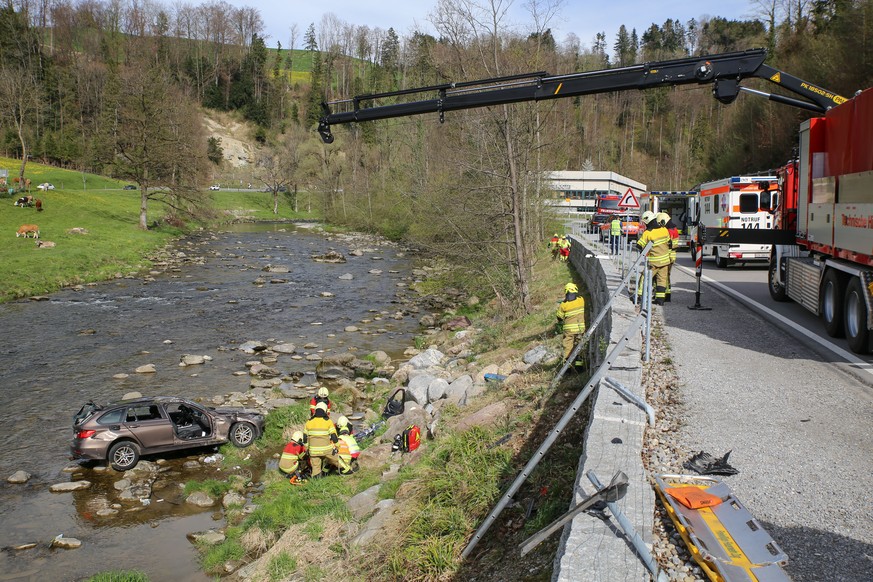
712	191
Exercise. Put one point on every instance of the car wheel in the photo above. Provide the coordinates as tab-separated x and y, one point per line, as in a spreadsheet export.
832	295
720	261
123	455
242	434
855	309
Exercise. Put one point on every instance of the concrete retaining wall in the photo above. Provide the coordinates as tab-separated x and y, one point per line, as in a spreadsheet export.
591	549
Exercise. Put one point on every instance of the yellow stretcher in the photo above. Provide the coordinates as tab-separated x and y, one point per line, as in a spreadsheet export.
723	537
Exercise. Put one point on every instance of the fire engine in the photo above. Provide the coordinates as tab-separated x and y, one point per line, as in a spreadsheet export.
822	253
827	207
736	202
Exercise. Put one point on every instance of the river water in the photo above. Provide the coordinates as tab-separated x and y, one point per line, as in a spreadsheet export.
58	353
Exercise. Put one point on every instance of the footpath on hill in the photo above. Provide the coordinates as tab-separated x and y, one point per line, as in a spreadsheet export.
800	431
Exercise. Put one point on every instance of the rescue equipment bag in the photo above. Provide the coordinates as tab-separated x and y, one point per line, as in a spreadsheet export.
411	438
395	404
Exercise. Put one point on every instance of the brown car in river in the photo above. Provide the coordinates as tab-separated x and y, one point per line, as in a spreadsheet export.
122	431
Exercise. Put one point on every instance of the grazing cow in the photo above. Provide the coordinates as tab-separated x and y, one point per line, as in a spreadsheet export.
24	201
38	205
27	229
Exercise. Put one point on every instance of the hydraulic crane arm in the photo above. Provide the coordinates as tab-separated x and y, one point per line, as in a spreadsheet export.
724	71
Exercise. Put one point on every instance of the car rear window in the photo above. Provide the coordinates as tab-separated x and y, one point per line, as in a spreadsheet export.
145	412
111	417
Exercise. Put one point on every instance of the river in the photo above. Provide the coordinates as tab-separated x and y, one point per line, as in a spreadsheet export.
60	352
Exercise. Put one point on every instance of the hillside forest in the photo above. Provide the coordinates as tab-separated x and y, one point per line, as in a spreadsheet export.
119	88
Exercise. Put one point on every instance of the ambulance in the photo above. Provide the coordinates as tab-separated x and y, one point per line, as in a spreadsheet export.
737	202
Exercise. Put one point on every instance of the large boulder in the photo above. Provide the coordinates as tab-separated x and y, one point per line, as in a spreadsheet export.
200	499
487	416
429	358
413	414
375	456
384	511
69	486
436	390
364	503
456	391
417	390
536	355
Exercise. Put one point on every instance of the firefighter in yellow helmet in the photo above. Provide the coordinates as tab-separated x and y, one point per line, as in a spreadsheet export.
571	314
348	447
321	396
292	462
664	220
321	440
659	255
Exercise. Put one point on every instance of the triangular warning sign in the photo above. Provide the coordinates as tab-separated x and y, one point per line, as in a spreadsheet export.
777	78
629	200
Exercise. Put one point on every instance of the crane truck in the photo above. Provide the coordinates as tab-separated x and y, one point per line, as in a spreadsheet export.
822	240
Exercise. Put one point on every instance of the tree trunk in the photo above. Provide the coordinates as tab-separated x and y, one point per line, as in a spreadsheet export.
276	201
517	208
143	208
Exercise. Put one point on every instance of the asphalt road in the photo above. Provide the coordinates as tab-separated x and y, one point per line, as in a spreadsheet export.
794	409
749	284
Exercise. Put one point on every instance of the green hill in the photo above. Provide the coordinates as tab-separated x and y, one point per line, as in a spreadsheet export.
113	245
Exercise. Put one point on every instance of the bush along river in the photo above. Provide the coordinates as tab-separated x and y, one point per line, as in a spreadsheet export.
289	292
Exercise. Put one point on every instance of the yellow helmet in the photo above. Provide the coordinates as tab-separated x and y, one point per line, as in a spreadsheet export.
297	437
321	406
571	288
342	421
322	392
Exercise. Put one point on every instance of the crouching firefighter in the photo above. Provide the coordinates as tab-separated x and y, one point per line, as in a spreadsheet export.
321	440
659	256
571	317
293	461
348	447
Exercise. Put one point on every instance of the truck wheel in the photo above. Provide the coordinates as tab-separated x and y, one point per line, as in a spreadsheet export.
857	333
777	289
720	261
832	295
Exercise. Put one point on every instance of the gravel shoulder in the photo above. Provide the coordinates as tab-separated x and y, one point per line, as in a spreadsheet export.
800	430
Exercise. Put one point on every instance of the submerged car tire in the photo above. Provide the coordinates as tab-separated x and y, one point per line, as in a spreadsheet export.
123	455
242	434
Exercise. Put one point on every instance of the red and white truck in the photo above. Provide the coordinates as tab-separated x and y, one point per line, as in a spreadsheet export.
827	204
735	202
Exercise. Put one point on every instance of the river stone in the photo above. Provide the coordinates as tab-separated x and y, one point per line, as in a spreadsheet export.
375	271
436	390
209	538
18	477
265	383
457	391
284	348
458	323
374	457
106	512
356	253
346	277
417	389
326	294
251	347
136	492
232	498
69	486
27	546
426	320
263	371
380	357
191	360
120	376
276	269
308	379
427	359
329	257
350	328
146	369
312	358
200	499
364	503
121	484
66	543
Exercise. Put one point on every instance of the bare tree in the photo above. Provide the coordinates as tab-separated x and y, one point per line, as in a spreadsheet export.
277	167
20	99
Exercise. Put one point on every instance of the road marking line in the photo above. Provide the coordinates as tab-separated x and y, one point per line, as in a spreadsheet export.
848	356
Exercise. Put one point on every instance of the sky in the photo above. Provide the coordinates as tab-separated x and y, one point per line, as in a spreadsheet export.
584	18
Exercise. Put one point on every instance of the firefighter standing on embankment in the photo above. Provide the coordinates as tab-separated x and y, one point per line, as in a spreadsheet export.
664	220
659	255
571	314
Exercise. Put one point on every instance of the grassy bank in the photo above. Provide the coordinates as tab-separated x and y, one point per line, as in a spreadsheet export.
111	244
444	495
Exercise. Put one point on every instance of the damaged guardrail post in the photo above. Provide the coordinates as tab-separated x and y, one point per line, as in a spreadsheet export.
629	531
626	393
616	489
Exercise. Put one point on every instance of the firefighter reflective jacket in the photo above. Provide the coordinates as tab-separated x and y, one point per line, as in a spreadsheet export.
320	436
313	402
615	227
572	315
659	255
348	447
292	454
